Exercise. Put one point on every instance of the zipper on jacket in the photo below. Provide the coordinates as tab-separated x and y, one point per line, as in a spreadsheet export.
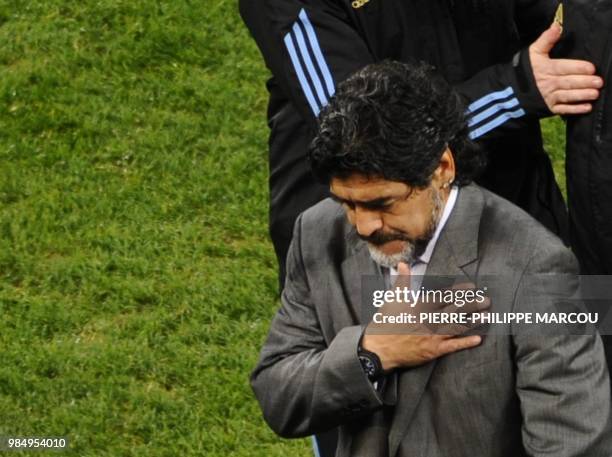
600	117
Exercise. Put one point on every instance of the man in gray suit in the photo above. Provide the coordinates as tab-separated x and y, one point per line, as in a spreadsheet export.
393	147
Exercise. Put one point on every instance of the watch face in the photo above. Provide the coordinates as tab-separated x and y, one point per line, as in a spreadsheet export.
368	366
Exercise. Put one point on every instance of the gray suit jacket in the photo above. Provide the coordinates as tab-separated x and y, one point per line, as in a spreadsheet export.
514	395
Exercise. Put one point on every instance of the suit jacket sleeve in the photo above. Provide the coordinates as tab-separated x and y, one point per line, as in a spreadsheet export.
303	384
562	380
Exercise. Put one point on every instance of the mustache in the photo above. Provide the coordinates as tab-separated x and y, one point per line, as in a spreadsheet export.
379	237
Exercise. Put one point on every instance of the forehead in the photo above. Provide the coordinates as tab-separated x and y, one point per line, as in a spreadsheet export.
358	187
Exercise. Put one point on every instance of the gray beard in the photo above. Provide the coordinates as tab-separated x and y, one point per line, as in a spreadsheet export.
391	260
409	253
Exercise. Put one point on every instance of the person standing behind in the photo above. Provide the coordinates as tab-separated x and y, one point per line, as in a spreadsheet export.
587	34
489	50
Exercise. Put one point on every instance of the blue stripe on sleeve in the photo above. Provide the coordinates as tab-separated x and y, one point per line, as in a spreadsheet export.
493	96
499	120
314	43
315	446
491	111
300	74
299	36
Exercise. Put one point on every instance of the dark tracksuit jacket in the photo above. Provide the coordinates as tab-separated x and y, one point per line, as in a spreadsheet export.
312	45
587	35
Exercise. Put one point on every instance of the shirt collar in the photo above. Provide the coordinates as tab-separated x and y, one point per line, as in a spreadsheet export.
448	209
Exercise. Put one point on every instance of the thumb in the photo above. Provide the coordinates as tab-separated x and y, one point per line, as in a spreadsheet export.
404	275
548	39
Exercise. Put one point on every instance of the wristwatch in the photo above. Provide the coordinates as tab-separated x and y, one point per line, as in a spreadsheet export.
371	364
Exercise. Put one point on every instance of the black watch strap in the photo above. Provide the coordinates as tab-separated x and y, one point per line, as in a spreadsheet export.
371	364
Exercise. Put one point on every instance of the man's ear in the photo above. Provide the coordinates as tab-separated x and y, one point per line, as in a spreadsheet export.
444	175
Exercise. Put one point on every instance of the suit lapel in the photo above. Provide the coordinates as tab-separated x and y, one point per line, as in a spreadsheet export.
458	243
411	385
455	255
456	251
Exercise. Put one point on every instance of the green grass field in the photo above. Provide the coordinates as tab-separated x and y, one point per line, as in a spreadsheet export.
137	280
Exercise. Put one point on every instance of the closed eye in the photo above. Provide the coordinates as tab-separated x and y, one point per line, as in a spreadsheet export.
377	205
380	204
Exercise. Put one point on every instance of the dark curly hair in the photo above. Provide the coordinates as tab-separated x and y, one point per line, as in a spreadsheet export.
394	120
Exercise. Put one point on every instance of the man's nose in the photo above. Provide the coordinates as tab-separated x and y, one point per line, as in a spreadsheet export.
367	221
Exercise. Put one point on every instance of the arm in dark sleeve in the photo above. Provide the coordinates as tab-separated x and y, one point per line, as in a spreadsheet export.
503	97
303	384
308	46
311	46
562	378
